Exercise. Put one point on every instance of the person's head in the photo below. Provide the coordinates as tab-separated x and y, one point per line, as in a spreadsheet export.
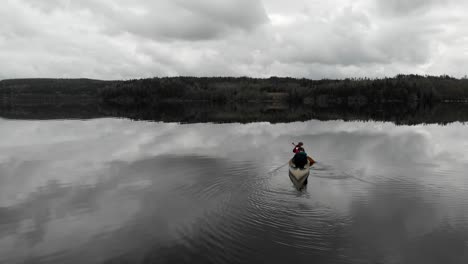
300	144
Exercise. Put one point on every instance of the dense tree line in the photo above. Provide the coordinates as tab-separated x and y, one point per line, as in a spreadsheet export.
408	89
402	88
51	86
403	99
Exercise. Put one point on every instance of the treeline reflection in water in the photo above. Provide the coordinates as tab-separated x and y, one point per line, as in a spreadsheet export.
196	112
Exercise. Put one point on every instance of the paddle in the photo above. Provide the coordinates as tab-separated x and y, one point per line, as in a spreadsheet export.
271	172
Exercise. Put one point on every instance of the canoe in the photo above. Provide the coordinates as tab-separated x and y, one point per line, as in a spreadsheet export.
297	175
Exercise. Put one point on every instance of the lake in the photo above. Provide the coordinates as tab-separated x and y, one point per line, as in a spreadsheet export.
114	190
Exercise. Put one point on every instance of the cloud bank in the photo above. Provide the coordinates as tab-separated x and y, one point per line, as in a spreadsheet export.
314	39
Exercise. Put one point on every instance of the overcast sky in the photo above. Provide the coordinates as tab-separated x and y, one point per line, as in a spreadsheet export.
122	39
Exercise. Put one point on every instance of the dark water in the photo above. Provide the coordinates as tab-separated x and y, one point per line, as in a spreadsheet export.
118	191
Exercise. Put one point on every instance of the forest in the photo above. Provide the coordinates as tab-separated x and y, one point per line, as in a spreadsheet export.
406	99
359	91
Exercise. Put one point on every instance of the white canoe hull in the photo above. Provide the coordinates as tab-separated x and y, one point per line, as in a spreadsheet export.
298	176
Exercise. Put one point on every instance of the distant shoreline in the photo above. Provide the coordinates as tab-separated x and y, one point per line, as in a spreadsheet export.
406	99
362	91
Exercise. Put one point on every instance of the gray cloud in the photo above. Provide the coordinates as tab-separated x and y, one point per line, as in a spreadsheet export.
316	39
342	40
159	20
402	7
192	21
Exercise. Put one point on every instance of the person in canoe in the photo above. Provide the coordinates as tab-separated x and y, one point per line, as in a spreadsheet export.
301	158
297	147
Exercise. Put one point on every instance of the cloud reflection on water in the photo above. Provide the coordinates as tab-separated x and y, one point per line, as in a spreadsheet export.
67	186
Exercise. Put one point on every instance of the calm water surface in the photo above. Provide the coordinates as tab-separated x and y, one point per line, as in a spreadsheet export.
119	191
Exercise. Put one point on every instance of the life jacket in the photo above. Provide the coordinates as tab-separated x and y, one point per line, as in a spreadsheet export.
300	159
